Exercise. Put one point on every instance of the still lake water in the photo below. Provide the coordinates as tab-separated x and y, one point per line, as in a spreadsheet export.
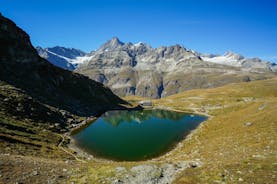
135	135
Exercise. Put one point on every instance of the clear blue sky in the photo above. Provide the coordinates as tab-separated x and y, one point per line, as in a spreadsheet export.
208	26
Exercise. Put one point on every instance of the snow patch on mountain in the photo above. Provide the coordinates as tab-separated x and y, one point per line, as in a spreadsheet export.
230	58
66	58
237	60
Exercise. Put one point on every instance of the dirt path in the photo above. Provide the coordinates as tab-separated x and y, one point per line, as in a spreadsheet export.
62	148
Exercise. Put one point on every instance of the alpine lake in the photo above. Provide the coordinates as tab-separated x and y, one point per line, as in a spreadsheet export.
135	135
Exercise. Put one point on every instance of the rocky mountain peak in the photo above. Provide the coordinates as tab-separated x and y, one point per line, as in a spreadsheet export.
112	44
176	48
230	54
139	69
115	40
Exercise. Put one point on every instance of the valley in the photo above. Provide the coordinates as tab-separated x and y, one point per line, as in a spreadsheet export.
41	104
229	147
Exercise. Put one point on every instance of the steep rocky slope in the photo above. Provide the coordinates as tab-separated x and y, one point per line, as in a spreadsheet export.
21	67
139	69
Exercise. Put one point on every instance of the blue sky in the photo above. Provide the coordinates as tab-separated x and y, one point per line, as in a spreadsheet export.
208	26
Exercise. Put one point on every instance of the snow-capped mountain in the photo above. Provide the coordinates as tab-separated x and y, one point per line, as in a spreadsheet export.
112	44
67	58
139	69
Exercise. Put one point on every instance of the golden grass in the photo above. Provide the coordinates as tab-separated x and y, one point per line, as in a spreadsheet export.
230	150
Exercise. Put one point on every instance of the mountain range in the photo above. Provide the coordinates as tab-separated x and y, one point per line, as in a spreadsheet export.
139	69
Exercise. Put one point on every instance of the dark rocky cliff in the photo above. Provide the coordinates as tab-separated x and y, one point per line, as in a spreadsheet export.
21	67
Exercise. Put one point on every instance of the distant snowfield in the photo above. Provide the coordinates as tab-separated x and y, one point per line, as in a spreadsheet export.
223	60
236	60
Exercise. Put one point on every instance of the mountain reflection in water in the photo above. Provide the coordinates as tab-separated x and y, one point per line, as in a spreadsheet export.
117	117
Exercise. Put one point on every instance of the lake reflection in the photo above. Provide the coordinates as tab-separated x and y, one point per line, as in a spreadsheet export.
117	117
135	135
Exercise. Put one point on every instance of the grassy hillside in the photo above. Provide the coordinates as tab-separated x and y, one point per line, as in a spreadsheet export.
238	143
